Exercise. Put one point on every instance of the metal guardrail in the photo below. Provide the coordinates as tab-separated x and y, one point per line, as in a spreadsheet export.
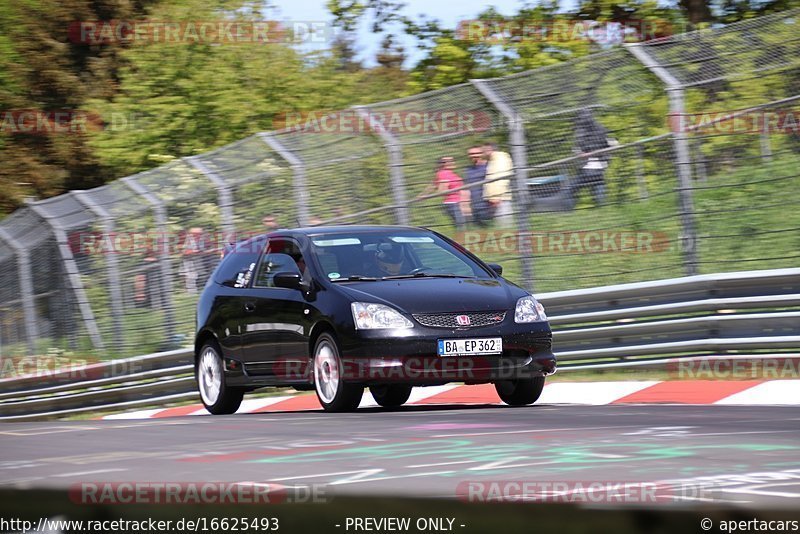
626	325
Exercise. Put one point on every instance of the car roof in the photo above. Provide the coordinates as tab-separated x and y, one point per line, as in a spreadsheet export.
346	228
327	230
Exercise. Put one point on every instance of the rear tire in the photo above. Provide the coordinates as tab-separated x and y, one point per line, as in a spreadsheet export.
217	396
390	396
520	392
334	394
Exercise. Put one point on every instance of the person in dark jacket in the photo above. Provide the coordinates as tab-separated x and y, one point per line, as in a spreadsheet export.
475	173
590	136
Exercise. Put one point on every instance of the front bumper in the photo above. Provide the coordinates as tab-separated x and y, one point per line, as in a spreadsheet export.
410	355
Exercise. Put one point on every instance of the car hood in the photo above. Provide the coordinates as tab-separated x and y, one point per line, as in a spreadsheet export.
436	295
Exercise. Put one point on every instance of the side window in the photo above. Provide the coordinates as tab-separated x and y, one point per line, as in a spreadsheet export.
277	247
238	265
273	263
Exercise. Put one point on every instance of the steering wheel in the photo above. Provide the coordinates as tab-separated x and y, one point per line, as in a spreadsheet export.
417	270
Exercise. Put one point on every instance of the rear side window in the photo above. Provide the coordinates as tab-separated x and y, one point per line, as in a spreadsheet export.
271	264
237	266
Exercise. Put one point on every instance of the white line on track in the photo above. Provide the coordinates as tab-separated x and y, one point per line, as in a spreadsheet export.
84	473
438	464
533	430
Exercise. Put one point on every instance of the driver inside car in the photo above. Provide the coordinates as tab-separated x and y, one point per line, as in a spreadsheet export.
389	260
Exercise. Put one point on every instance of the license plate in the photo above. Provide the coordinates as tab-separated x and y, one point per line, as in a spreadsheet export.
464	347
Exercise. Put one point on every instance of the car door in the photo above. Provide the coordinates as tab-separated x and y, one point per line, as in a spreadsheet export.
275	331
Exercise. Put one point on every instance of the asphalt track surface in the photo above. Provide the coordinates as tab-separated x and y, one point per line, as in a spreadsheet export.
747	456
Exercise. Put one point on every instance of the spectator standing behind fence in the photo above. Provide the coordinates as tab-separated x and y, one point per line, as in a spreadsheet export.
192	262
447	180
499	169
475	173
590	136
269	223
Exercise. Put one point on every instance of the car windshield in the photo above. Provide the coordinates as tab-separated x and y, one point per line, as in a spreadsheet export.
391	254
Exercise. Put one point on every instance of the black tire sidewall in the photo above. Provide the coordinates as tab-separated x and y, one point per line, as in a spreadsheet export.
526	391
391	395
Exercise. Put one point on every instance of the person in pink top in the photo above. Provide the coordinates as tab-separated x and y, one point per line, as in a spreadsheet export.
447	180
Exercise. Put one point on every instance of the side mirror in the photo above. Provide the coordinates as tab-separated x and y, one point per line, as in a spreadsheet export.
496	267
288	280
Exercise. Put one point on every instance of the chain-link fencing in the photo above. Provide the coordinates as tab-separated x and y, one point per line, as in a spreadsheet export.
653	160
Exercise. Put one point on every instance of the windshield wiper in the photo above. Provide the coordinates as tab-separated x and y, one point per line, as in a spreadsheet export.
425	275
356	278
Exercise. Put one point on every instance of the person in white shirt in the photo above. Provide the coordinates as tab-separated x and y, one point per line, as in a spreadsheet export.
497	193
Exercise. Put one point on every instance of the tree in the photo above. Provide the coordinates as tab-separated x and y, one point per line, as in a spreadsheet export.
42	70
187	98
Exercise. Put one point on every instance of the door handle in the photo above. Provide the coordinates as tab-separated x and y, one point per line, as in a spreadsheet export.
250	306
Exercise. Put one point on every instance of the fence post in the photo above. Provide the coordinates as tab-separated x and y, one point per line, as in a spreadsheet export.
225	198
73	275
298	173
700	163
677	109
112	265
26	288
640	179
520	197
766	147
160	216
395	153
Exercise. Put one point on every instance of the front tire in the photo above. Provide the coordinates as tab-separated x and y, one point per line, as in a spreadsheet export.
217	396
334	394
520	392
390	396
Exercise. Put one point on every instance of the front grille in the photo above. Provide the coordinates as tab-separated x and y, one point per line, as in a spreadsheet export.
449	320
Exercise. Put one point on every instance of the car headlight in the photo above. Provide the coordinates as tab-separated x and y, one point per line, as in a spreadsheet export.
368	316
529	310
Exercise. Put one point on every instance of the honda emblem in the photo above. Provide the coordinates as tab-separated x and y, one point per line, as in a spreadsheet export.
463	320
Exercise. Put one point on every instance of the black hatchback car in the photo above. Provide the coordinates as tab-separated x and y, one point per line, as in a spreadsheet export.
338	309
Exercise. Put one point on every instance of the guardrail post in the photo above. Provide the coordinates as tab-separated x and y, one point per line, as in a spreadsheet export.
112	265
73	275
677	109
26	288
520	198
298	173
395	153
160	215
225	198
